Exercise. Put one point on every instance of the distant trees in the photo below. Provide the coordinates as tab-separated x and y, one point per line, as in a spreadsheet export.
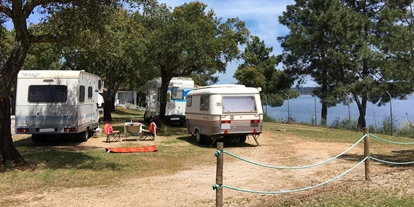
350	46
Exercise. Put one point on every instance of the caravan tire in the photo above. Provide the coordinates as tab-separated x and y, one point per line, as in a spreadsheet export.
198	136
242	139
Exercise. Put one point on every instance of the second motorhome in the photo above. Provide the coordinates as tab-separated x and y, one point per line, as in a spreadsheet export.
224	111
52	103
178	88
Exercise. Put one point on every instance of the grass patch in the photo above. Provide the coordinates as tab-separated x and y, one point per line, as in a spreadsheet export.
69	167
365	198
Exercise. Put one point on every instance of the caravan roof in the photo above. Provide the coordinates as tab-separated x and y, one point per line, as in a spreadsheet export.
223	86
67	74
224	89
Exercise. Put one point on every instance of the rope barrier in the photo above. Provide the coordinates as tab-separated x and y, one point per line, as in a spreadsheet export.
294	167
392	142
367	157
216	186
392	163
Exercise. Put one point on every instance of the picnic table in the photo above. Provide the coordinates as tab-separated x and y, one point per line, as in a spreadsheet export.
132	128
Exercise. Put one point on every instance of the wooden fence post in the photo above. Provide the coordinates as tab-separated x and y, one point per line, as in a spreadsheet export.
366	153
219	176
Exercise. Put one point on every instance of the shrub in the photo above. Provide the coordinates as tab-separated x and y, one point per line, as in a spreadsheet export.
267	118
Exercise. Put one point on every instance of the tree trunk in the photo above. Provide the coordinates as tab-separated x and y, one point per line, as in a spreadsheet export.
13	102
324	113
8	76
324	110
112	105
108	105
7	150
362	113
165	81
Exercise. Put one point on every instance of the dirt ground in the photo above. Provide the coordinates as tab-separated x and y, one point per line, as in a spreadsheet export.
194	187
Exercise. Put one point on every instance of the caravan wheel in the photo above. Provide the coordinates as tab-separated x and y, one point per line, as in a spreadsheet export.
199	139
242	139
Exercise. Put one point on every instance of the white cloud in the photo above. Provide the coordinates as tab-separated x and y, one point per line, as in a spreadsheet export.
261	17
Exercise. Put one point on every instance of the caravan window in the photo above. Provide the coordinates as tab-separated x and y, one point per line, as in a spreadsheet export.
189	101
239	104
89	92
82	94
204	103
177	94
48	93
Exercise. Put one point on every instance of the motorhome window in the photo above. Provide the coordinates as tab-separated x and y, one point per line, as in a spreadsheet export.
177	94
89	92
189	100
82	94
99	84
48	93
204	103
239	104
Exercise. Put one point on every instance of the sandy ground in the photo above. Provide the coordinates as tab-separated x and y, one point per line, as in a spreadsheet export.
194	187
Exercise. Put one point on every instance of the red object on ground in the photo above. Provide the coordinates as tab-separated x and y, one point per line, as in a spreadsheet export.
132	149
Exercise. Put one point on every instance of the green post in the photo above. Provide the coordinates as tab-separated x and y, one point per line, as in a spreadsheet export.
366	154
219	176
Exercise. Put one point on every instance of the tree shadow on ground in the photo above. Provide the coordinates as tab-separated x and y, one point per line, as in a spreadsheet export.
208	143
69	143
398	156
63	153
63	158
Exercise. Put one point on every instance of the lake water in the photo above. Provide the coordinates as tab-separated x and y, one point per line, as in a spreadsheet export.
302	110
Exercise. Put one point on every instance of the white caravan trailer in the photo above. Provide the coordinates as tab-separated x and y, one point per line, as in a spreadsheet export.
57	102
224	111
178	89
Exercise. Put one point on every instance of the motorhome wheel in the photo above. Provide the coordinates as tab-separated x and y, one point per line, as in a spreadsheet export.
36	138
83	136
90	133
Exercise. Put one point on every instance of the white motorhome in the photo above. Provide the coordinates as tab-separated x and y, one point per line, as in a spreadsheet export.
224	111
178	88
57	102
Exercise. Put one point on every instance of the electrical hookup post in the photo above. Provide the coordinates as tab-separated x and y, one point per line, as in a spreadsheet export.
219	174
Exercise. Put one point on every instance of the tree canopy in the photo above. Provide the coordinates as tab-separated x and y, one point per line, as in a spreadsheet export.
350	46
259	70
117	54
189	40
60	20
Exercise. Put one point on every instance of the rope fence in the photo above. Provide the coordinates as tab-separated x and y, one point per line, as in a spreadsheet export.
293	167
219	186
